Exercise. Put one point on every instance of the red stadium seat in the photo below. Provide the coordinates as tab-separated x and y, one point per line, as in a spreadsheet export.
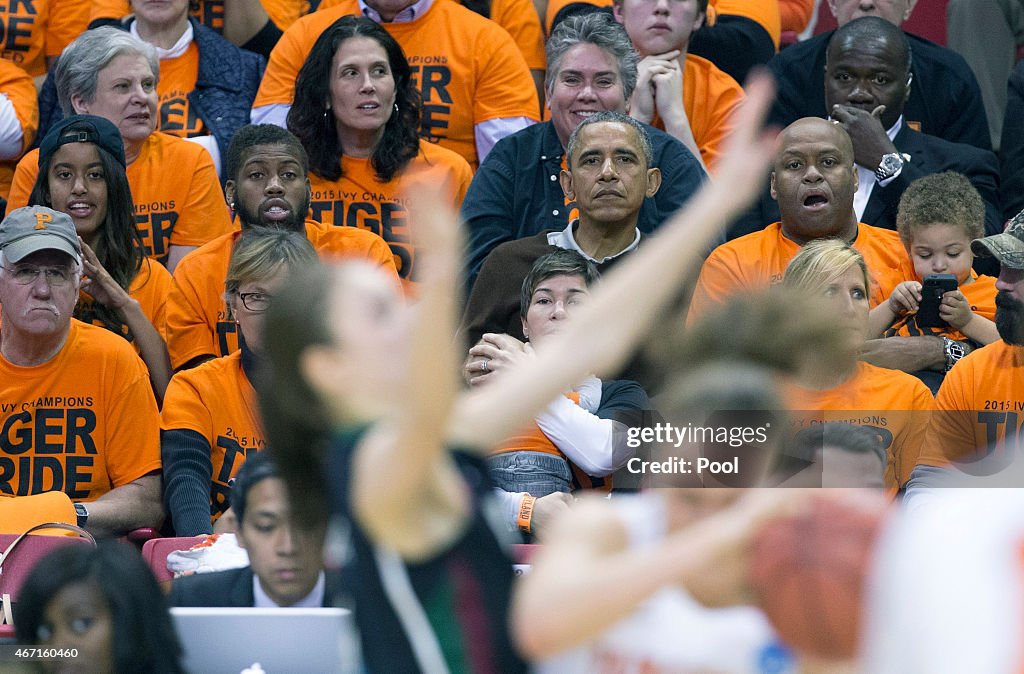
155	551
20	561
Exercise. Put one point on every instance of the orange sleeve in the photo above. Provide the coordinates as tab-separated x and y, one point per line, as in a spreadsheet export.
152	288
68	20
710	97
184	407
278	84
441	167
205	215
19	88
554	6
794	15
133	450
764	12
921	406
24	180
520	19
951	431
463	176
504	85
109	9
189	331
284	12
720	277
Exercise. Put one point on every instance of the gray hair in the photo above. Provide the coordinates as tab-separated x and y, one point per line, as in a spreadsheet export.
616	117
600	30
81	61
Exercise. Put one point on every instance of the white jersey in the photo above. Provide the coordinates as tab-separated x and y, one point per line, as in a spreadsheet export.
672	632
947	590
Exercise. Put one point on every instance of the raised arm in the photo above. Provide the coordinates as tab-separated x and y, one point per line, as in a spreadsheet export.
639	287
405	490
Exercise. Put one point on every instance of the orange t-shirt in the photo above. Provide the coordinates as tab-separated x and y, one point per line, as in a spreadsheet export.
981	295
980	407
178	200
83	423
894	404
33	30
765	14
467	68
18	87
519	18
709	98
217	401
759	259
175	115
151	287
555	6
210	13
359	199
795	14
533	439
197	314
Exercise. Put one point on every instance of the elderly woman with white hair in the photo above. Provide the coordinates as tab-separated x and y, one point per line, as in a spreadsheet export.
592	67
178	202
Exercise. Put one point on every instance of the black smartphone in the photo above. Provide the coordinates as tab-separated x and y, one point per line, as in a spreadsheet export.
932	290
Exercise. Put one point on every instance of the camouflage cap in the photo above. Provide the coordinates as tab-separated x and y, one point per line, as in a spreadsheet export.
1007	247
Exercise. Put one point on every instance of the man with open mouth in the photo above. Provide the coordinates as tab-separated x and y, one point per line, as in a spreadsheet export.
814	181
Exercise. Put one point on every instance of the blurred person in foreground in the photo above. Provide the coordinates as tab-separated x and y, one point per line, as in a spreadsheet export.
345	355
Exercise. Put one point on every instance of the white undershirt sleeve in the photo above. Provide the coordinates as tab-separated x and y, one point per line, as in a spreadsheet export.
596	445
275	113
11	135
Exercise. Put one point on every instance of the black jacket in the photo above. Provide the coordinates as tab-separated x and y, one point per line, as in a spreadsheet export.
232	588
944	96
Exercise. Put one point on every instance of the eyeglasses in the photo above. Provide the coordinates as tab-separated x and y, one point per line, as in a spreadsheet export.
27	274
255	302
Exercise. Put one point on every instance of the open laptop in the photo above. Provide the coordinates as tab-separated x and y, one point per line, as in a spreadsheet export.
230	640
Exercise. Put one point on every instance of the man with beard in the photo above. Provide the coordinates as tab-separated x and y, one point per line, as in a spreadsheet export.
981	402
267	186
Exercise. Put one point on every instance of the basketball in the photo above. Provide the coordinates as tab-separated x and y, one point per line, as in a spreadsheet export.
809	573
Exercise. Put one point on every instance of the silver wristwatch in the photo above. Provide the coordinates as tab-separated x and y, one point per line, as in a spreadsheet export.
890	166
954	351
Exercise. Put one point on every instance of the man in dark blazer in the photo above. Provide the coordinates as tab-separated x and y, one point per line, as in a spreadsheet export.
285	557
945	100
868	81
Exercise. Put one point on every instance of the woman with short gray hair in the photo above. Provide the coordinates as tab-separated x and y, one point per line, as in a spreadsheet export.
179	205
77	74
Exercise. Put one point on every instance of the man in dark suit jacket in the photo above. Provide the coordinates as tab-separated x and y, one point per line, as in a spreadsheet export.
1011	148
945	100
868	80
285	557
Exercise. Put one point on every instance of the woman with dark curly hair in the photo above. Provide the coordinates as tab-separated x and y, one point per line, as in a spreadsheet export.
357	113
82	173
103	603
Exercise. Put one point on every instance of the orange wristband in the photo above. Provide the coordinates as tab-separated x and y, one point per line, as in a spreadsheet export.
526	513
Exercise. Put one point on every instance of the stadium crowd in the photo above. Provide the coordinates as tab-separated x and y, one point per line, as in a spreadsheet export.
377	290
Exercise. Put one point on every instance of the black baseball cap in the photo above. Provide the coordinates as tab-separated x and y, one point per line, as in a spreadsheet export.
88	129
